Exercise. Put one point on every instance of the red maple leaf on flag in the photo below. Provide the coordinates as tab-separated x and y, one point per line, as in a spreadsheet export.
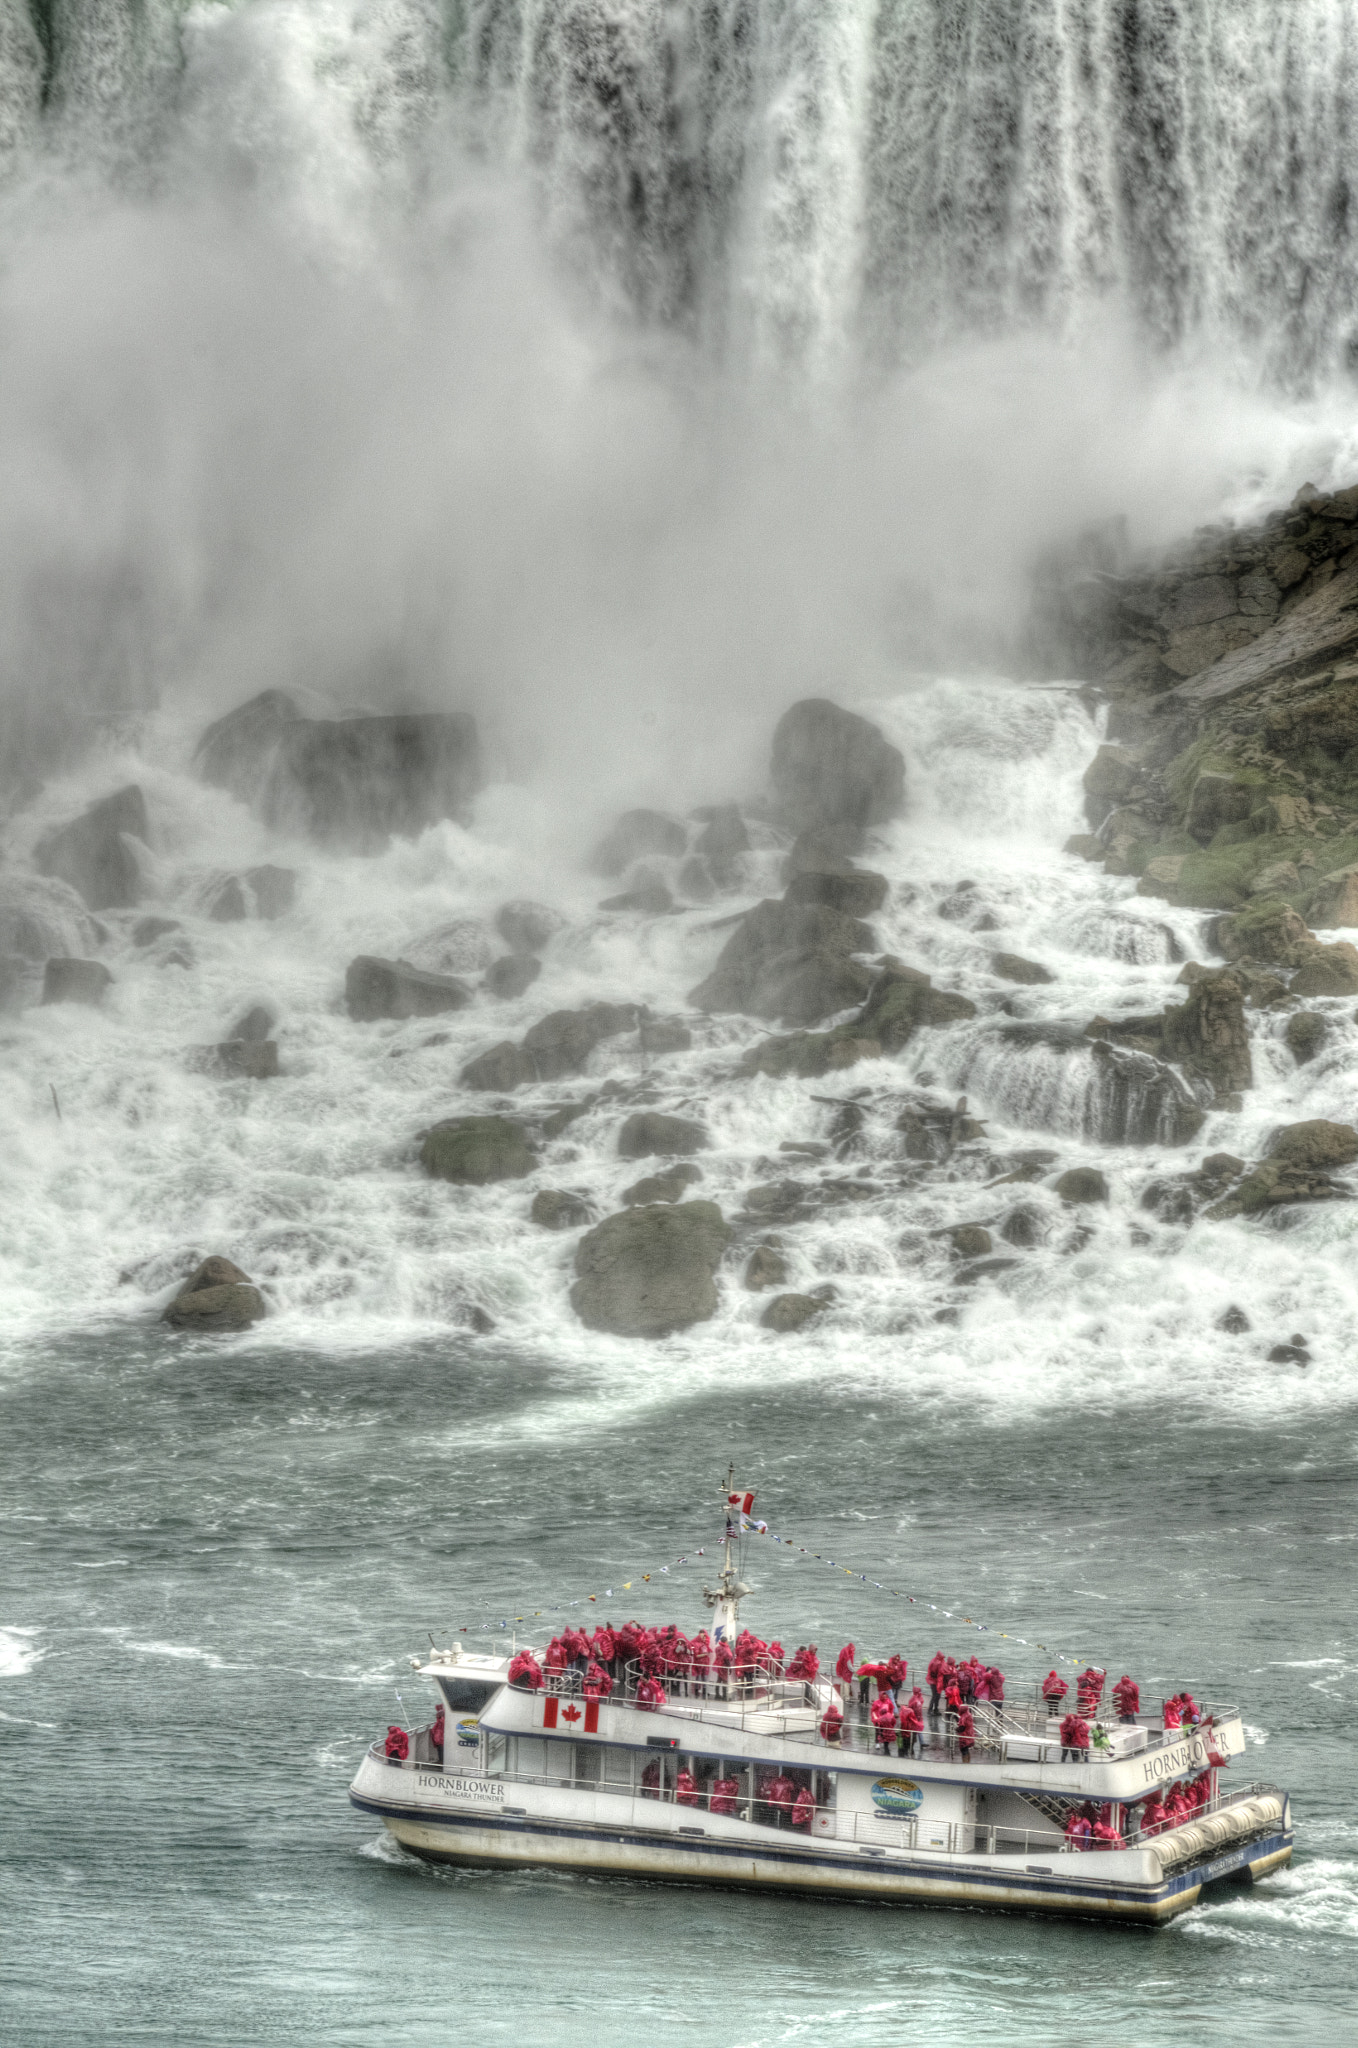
571	1714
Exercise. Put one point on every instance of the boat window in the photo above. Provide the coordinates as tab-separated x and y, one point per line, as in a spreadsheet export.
495	1754
468	1695
589	1763
527	1756
618	1768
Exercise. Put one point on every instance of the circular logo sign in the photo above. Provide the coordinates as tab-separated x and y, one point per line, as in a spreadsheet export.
896	1795
468	1733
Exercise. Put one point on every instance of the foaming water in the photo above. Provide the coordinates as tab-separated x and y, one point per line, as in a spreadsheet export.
130	1160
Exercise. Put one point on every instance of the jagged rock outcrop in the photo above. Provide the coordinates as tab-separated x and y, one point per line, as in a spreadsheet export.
793	962
650	1271
810	1055
376	989
859	893
1306	1032
559	1209
96	853
670	1186
475	1150
787	1313
75	981
512	975
1081	1185
1013	967
1315	1143
766	1267
903	1001
350	782
1207	1036
219	1296
831	767
266	892
527	927
500	1069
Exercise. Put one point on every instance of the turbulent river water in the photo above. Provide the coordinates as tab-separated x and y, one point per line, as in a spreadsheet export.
623	372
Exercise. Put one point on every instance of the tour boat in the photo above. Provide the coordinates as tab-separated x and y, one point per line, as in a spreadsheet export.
693	1778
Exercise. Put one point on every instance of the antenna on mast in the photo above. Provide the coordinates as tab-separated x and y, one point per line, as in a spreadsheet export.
729	1590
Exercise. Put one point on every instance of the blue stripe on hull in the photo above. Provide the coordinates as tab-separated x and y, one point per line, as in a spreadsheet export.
802	1861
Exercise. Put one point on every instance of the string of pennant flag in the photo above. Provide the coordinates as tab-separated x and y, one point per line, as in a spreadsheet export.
750	1527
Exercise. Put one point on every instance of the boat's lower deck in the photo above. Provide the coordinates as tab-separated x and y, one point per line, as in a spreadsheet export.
1127	1885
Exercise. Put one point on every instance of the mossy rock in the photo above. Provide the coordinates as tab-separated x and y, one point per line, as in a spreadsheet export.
474	1150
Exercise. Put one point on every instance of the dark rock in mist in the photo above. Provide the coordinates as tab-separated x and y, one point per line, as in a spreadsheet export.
1328	971
267	892
240	1059
721	842
660	1035
661	1187
1025	1228
475	1150
509	976
824	850
969	1240
1013	967
561	1042
75	981
1315	1143
526	927
558	1209
787	1313
636	835
1081	1184
831	767
1306	1033
765	1268
255	1026
394	989
93	853
500	1070
858	894
789	961
651	898
650	1271
147	930
217	1297
809	1055
1233	1321
1207	1036
346	782
1294	1352
648	1133
903	1001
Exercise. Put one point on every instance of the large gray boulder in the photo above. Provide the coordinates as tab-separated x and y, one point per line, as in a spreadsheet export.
647	1133
346	782
475	1150
93	853
903	1001
649	1271
636	835
267	892
500	1069
860	892
526	926
511	975
562	1041
831	767
75	981
217	1297
791	962
393	988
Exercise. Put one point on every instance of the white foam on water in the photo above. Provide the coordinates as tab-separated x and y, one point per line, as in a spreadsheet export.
19	1652
1312	1896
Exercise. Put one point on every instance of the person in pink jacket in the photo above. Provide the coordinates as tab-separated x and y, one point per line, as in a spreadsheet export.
1054	1690
804	1809
912	1724
884	1719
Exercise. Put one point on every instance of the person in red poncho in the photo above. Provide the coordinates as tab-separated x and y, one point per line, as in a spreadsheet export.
804	1808
1127	1698
896	1669
724	1660
996	1677
650	1780
556	1659
686	1789
438	1728
844	1664
966	1733
524	1672
1105	1834
1172	1716
598	1684
1152	1816
934	1674
912	1724
780	1795
1054	1690
884	1719
832	1722
1079	1831
397	1747
725	1793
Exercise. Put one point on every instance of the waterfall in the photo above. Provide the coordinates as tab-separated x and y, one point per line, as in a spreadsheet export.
792	181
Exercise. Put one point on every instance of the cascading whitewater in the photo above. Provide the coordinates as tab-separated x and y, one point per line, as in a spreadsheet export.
794	181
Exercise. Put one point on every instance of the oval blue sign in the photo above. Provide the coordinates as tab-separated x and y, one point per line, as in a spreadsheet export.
896	1795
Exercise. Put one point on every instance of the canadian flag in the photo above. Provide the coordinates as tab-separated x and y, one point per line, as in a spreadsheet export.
743	1501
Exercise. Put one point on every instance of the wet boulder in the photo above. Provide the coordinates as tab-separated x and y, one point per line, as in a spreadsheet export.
903	1001
660	1035
462	945
236	751
254	1026
1208	1036
561	1042
97	852
789	961
1025	1228
635	836
500	1069
831	767
1080	1185
473	1151
723	839
1013	967
766	1267
1217	800
525	926
376	989
511	975
858	894
75	981
266	892
650	897
824	850
648	1132
240	1059
1233	1321
808	1055
1316	1143
1328	971
649	1271
558	1209
1271	932
788	1313
661	1187
1334	900
1306	1033
968	1240
147	930
217	1297
1113	777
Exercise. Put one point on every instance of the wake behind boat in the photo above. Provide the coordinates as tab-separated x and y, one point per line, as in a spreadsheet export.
712	1759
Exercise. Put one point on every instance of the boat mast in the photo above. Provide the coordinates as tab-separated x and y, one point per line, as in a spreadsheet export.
729	1590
